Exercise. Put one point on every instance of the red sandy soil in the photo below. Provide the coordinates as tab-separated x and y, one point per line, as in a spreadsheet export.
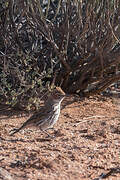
86	144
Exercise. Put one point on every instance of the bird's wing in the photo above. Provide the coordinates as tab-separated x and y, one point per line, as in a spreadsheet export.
40	116
36	119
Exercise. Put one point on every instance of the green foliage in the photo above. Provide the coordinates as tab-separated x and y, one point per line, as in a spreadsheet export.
77	41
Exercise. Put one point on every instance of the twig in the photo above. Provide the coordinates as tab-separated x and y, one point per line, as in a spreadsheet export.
87	119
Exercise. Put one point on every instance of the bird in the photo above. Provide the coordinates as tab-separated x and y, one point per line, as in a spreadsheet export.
47	115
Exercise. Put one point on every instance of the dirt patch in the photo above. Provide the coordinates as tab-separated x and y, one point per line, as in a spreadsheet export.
86	144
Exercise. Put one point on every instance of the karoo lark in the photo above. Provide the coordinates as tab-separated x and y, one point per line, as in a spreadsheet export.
47	115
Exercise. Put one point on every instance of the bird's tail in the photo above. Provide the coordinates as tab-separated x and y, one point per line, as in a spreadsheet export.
14	131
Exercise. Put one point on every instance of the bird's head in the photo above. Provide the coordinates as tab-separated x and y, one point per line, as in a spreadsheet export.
57	94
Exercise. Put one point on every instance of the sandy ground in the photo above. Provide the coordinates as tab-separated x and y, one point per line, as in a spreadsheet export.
86	144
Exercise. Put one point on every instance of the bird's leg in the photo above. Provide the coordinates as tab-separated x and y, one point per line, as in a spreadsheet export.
45	131
11	132
14	129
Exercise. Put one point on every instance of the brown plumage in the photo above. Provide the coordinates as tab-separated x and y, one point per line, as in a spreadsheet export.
47	116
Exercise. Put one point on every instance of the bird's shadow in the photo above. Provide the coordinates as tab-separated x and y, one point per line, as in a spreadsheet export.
23	140
49	137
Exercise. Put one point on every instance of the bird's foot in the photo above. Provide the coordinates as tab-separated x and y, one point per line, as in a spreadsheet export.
12	131
48	135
